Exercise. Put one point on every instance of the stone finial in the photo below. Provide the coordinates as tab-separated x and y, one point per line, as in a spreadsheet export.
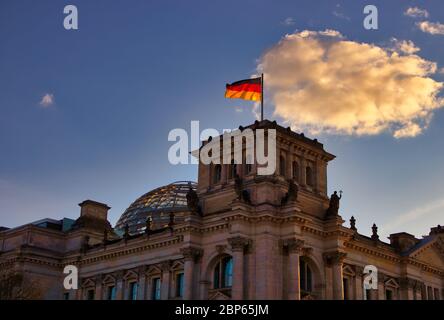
375	232
353	223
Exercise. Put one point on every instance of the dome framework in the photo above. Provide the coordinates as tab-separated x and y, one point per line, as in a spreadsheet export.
157	204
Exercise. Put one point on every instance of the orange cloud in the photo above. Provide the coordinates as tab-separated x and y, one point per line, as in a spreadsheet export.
321	82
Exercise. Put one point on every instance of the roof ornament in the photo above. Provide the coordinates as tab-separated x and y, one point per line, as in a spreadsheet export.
375	236
333	208
353	223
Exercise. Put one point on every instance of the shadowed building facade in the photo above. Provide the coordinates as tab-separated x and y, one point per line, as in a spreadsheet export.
233	235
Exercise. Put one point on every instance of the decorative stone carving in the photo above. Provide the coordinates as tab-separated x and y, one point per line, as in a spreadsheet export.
239	243
333	208
193	201
165	265
292	193
242	194
353	223
220	248
375	236
408	283
293	245
334	257
191	253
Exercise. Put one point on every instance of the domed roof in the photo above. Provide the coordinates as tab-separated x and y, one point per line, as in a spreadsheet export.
157	204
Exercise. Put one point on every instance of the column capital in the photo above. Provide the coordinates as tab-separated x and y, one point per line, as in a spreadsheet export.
191	253
239	243
293	245
334	257
408	283
165	265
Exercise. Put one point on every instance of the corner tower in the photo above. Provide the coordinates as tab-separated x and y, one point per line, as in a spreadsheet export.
299	160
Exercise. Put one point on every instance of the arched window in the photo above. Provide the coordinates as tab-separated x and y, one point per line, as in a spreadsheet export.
217	173
232	171
223	273
295	169
306	277
282	166
309	176
248	164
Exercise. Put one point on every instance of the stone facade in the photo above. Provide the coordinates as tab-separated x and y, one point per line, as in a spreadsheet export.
264	248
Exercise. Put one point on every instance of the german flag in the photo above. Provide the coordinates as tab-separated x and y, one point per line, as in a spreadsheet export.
249	89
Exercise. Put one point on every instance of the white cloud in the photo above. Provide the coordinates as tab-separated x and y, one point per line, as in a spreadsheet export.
47	100
416	12
288	21
337	13
413	216
404	46
321	82
434	28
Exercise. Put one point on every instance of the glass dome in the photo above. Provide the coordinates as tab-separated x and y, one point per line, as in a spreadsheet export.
157	204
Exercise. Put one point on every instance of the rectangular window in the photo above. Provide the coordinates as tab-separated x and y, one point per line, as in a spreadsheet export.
111	293
156	289
90	294
66	296
436	291
179	284
388	295
429	293
345	284
368	293
133	287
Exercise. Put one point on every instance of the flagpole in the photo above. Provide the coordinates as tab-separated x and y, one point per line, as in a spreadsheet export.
262	97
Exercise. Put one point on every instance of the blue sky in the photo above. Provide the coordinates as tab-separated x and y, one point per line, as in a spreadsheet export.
137	69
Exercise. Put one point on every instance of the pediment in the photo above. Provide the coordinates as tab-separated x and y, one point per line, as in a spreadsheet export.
432	253
153	270
218	296
88	283
348	270
131	275
109	279
177	265
391	283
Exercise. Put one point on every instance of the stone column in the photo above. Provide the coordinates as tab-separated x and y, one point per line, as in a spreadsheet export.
359	284
238	245
302	177
142	284
99	293
294	247
407	289
119	286
166	276
381	286
190	255
335	260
